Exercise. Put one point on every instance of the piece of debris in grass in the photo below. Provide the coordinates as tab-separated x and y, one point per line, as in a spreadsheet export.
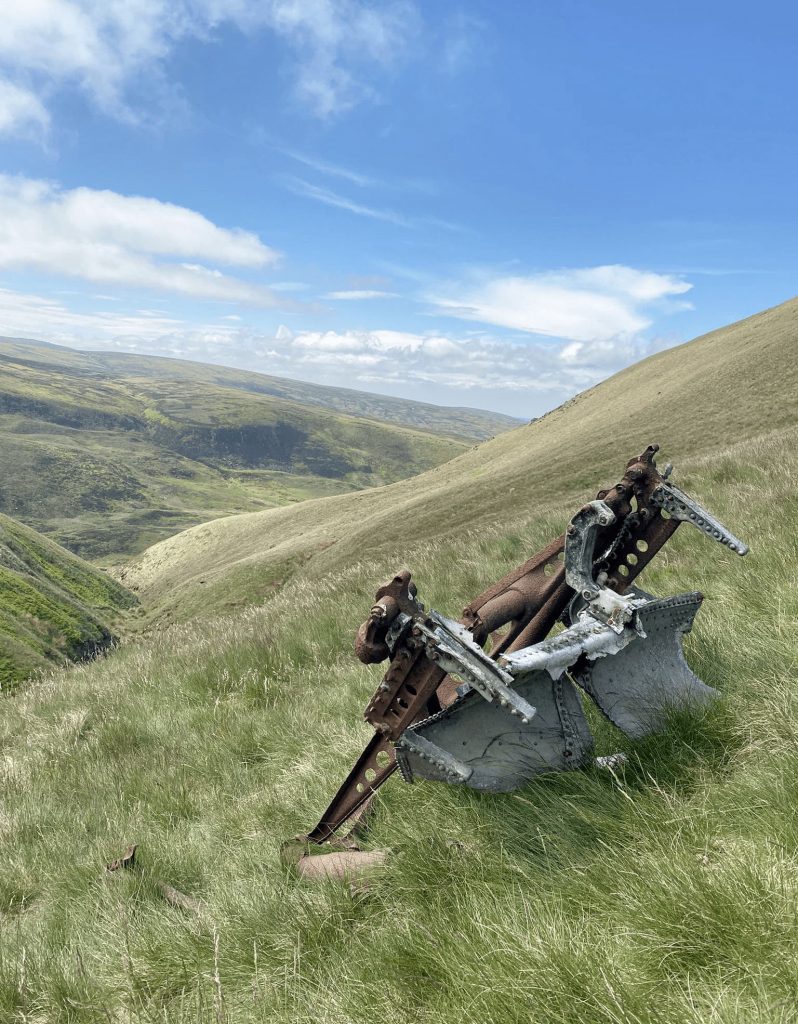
127	860
343	865
178	899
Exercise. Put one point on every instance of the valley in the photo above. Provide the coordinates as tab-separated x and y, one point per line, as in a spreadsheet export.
108	453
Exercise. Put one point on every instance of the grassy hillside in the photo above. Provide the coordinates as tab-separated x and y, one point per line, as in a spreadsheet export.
53	606
663	893
735	383
453	421
459	422
110	453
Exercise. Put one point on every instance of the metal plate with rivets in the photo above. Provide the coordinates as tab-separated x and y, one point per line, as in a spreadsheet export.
480	745
637	687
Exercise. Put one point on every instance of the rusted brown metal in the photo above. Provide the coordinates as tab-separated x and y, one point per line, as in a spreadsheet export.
526	603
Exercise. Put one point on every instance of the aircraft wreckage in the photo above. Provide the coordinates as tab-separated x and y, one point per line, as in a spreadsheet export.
447	711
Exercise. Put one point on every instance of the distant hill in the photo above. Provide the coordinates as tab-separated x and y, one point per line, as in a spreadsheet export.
53	606
108	453
736	383
459	422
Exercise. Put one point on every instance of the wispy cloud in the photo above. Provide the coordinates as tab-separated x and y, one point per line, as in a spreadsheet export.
362	293
464	38
304	188
328	197
330	169
21	111
108	50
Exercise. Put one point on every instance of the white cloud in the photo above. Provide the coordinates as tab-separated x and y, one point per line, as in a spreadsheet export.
582	305
107	48
382	359
326	196
361	293
595	315
320	194
21	111
333	170
33	316
464	38
109	238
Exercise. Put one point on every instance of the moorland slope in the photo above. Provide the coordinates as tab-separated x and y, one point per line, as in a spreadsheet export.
663	891
54	607
699	398
108	453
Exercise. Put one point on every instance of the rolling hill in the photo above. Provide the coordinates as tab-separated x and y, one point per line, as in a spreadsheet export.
53	606
749	368
663	891
108	453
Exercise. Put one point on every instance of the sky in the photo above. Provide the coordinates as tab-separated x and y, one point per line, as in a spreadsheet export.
494	204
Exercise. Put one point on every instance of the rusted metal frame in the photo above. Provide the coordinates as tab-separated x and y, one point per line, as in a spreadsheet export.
411	681
527	598
356	790
406	690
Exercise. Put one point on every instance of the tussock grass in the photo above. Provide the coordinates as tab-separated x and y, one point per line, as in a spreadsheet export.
661	893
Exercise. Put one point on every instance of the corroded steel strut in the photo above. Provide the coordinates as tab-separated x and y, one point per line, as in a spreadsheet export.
607	545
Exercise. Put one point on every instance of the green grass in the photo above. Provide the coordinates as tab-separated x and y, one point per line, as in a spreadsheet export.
110	453
53	607
666	893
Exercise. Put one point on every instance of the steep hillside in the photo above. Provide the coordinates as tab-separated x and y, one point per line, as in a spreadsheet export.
108	454
661	892
735	383
53	606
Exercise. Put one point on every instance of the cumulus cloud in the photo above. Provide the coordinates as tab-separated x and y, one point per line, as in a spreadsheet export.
105	48
593	304
109	238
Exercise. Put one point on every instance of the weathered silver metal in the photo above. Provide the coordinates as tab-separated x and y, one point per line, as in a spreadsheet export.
648	678
580	543
633	669
450	645
499	752
684	509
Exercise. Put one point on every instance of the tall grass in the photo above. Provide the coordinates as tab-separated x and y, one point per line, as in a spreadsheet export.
666	892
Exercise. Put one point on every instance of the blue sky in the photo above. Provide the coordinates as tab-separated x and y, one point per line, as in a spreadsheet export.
489	204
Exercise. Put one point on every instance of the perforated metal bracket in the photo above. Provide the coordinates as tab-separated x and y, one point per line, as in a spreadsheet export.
682	507
451	646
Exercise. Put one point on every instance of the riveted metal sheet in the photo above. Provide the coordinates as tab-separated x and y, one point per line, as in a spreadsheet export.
638	686
492	750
